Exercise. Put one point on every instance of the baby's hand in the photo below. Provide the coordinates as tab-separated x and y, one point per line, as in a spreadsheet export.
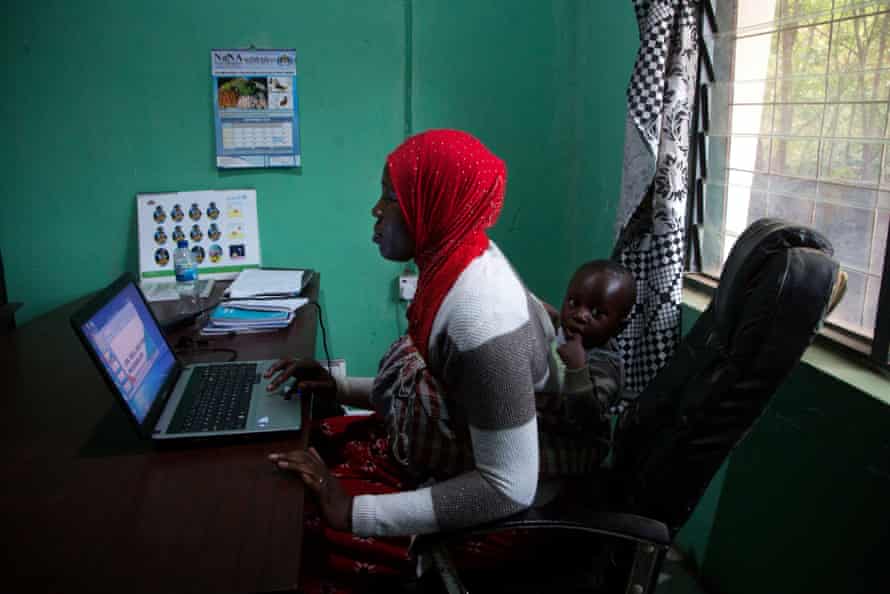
572	352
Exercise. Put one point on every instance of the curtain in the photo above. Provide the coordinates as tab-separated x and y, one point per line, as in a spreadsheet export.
650	223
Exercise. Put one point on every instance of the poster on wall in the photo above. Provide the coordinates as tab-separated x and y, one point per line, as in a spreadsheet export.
219	225
255	108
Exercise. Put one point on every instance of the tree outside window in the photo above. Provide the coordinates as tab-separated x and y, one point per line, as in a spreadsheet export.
800	130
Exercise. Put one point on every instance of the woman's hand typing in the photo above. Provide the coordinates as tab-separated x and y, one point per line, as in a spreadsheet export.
310	376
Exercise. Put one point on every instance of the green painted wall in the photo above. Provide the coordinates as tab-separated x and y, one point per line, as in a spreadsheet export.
801	506
805	499
528	78
113	98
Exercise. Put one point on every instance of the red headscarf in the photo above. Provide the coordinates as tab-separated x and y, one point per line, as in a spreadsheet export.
451	189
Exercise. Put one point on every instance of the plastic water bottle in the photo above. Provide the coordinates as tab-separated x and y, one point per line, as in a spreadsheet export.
186	268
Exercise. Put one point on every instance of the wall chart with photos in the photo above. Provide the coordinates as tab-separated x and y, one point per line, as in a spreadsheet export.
220	226
255	108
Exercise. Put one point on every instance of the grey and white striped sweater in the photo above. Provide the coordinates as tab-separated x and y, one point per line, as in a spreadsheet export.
489	348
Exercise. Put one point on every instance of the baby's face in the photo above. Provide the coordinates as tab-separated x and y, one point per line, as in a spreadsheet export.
594	306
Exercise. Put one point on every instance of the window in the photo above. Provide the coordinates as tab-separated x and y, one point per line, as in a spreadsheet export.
799	128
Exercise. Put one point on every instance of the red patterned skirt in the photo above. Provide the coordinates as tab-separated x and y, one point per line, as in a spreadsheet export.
356	450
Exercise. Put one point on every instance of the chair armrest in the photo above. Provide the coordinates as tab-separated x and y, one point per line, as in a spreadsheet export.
651	537
568	518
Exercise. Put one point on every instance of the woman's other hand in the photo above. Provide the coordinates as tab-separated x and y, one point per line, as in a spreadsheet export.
310	376
336	505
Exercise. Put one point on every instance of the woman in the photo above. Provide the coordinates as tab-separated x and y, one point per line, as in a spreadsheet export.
481	334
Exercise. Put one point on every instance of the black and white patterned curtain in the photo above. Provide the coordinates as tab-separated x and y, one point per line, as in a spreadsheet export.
651	216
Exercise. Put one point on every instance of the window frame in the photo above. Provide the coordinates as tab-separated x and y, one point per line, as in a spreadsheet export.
876	350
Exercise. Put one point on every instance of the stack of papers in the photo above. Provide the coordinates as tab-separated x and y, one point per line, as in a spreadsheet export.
259	301
256	282
233	317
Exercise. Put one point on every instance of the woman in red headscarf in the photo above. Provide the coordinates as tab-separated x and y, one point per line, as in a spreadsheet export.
455	399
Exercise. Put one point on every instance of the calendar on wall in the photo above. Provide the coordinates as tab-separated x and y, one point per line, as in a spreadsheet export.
255	108
220	227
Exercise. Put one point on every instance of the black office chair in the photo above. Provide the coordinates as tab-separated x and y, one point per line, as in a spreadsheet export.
7	309
776	288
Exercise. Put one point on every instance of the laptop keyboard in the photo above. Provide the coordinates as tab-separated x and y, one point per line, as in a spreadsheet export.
216	398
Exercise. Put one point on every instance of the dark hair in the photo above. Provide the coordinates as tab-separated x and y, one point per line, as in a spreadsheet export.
609	267
614	270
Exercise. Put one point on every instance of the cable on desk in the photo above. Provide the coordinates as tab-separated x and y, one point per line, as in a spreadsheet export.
190	346
327	354
186	342
324	334
192	316
189	318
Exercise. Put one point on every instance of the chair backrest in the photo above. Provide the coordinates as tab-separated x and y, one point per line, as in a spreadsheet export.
772	297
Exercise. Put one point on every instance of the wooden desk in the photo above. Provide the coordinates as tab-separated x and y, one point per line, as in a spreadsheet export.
87	507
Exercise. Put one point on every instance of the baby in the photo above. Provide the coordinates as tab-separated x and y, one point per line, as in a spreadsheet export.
597	302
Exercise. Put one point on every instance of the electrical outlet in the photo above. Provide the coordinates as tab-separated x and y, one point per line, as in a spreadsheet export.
407	286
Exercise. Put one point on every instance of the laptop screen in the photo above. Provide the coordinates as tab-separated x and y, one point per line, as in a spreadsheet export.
129	343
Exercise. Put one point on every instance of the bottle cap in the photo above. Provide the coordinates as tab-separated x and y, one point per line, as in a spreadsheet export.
183	243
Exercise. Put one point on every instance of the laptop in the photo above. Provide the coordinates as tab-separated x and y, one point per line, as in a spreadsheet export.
166	399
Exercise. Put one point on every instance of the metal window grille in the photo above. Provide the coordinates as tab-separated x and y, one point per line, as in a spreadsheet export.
793	121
